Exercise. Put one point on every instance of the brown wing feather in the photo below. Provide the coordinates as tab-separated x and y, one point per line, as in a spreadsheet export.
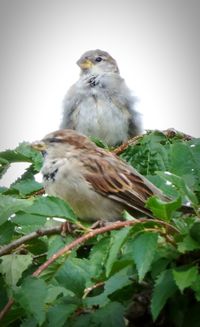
113	178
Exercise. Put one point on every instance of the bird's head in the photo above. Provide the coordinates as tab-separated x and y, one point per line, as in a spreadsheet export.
62	141
97	61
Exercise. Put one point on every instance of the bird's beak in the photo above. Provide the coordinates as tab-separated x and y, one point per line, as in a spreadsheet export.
86	64
39	146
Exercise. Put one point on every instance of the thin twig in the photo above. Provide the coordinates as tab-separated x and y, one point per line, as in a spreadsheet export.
124	146
92	233
6	308
84	238
39	255
91	288
39	192
167	237
170	133
38	233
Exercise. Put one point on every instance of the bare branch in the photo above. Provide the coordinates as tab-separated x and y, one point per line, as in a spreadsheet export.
97	231
124	146
38	233
6	308
90	289
170	133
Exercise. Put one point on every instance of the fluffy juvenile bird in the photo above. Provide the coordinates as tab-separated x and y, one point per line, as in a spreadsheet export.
96	183
100	104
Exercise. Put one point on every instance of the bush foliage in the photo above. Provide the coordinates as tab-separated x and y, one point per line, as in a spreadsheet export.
144	274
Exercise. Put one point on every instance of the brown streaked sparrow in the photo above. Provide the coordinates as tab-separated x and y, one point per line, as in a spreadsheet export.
100	104
96	183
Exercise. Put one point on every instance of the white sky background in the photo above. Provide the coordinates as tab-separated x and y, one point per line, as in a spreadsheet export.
155	42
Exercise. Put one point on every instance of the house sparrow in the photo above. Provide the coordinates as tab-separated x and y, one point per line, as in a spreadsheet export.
96	183
100	104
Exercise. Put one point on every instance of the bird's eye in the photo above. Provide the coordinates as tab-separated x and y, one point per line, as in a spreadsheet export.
55	140
98	59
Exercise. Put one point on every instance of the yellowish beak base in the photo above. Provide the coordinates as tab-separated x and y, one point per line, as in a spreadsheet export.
39	146
86	64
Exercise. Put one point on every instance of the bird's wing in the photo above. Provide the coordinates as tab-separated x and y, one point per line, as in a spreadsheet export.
121	96
70	104
112	178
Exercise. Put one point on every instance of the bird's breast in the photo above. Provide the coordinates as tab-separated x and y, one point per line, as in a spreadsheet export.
98	116
63	178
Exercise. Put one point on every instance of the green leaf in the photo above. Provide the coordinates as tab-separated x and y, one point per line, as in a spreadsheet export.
25	187
49	273
118	281
37	246
159	265
100	143
187	244
3	292
4	165
98	300
111	315
31	296
58	314
13	265
84	320
181	186
3	189
117	240
74	274
105	258
184	225
149	154
51	206
167	188
15	315
54	291
9	205
144	246
98	255
196	287
164	288
30	322
29	174
162	209
185	161
27	219
11	156
23	153
185	277
6	232
55	243
195	232
26	150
